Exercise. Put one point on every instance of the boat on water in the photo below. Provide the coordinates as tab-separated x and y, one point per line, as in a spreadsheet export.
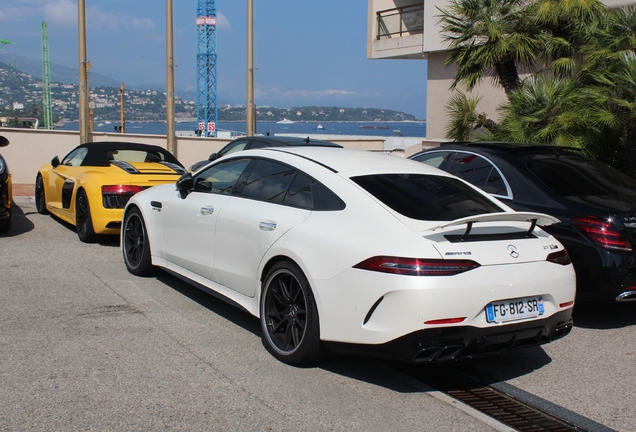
285	121
373	127
320	127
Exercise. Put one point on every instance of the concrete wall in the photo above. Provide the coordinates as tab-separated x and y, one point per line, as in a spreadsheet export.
29	149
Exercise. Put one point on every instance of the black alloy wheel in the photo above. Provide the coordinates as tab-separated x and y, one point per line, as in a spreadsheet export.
136	248
40	199
289	316
83	221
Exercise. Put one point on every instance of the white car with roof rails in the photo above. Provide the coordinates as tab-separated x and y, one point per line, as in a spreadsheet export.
357	253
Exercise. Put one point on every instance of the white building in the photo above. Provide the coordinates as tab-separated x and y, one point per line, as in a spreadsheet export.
409	29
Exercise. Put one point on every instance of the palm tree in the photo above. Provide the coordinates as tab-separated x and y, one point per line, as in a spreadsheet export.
552	110
609	70
464	119
490	38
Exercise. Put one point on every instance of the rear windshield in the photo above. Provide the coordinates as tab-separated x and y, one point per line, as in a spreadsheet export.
575	175
427	197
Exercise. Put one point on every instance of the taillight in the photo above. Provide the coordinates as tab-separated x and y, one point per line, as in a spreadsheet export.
121	190
561	257
416	266
602	232
446	321
116	196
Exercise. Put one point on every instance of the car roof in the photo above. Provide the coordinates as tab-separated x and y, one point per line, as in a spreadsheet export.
345	161
283	141
508	147
97	152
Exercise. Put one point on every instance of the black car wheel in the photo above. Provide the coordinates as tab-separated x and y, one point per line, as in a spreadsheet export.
136	248
40	199
289	317
83	221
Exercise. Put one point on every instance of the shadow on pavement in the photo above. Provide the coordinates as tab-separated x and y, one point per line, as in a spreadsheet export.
20	224
213	302
358	368
605	316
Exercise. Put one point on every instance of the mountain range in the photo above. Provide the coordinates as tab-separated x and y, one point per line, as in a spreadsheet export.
66	75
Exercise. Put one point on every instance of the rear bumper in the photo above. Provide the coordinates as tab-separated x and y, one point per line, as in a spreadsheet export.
453	343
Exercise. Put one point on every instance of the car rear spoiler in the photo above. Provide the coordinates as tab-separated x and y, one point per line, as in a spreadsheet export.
533	218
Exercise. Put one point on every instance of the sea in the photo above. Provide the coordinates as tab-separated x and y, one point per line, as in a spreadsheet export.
406	129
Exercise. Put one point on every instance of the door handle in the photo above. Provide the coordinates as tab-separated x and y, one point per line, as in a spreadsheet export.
207	210
267	226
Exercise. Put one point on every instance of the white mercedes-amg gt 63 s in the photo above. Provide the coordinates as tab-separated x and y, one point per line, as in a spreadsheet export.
346	251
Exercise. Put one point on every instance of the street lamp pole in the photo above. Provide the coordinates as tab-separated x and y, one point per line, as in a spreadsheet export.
171	145
85	135
250	111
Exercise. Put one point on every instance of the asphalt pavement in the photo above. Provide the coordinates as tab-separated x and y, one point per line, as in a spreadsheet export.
84	345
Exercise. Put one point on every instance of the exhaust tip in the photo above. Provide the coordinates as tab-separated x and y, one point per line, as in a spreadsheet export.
627	296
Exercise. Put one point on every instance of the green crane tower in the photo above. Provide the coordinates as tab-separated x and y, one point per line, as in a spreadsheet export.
4	42
46	79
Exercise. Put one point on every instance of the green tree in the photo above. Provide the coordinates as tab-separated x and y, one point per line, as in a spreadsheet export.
490	38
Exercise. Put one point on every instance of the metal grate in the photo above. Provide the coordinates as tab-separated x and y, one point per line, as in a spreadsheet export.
500	406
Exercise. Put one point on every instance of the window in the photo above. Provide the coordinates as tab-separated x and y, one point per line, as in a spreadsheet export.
221	177
135	156
75	157
434	159
575	175
268	181
478	171
259	144
427	197
305	192
236	146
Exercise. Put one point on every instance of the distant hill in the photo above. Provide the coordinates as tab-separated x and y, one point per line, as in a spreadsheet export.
23	91
61	74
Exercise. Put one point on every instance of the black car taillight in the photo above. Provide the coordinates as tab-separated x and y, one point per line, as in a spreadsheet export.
561	257
416	266
602	232
116	196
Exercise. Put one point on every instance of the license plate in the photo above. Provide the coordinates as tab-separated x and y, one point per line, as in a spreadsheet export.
514	309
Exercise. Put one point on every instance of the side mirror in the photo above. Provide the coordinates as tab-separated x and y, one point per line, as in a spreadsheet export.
3	141
185	184
55	161
213	157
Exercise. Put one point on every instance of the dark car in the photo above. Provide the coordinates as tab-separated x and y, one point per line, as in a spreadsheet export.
254	142
6	200
595	203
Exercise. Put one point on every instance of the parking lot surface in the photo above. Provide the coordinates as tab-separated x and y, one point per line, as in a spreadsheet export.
84	345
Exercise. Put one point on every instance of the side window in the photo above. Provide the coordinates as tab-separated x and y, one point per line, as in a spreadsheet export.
221	177
434	159
299	193
308	193
259	144
75	157
479	172
268	181
238	146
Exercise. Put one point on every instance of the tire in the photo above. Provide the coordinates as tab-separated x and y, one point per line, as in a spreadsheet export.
40	199
135	244
83	222
289	316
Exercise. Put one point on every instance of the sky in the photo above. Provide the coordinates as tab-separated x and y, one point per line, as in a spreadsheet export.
305	52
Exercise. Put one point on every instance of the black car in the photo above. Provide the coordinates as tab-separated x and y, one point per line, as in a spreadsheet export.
253	142
595	203
6	200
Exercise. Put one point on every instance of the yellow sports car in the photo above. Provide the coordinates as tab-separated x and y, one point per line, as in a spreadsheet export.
90	187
